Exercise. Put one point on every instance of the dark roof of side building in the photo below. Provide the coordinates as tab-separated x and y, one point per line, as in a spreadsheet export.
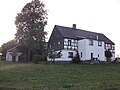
74	33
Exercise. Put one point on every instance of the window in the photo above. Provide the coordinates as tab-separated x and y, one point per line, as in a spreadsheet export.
65	42
98	55
113	47
70	54
108	46
54	45
69	42
50	46
97	37
58	43
99	43
81	54
91	42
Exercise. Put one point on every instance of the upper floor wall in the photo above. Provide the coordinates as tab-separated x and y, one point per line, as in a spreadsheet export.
56	40
70	44
89	49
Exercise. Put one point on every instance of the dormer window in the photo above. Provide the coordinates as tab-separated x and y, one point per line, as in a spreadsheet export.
99	43
91	42
97	37
90	36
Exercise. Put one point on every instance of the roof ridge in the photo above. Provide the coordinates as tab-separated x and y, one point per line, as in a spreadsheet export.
79	29
70	33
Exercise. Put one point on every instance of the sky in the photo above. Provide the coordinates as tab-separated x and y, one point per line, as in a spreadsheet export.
102	16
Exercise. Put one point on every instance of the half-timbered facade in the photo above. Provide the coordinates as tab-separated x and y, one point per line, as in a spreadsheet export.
88	44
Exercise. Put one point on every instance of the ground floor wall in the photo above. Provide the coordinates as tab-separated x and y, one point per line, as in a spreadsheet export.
67	55
9	57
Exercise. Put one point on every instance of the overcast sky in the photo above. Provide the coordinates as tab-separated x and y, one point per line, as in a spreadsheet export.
102	16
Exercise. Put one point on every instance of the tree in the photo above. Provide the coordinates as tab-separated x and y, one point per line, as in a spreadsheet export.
30	24
6	46
53	55
76	58
108	55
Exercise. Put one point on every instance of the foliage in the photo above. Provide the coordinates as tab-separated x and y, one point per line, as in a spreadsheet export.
42	57
54	54
37	58
30	24
6	46
60	77
108	55
76	58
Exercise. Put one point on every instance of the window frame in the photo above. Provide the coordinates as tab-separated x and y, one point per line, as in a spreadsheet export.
99	43
69	42
91	42
59	43
70	54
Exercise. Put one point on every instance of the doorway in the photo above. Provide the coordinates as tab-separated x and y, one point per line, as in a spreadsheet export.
91	56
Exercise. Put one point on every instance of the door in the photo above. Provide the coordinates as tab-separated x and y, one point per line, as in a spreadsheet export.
91	56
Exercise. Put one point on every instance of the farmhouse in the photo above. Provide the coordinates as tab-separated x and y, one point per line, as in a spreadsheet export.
89	44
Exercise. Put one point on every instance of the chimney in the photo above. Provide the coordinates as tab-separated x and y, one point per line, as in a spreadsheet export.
74	26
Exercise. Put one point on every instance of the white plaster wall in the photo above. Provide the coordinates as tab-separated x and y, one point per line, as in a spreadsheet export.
64	56
17	56
86	49
113	57
8	57
95	49
82	48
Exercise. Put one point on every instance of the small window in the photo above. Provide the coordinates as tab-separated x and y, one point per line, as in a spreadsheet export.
50	46
99	43
70	54
69	42
91	42
98	55
58	43
113	47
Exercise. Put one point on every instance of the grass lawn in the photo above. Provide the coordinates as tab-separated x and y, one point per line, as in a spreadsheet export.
59	76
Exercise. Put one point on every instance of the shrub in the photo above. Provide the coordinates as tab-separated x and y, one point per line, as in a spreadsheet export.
36	58
108	55
76	58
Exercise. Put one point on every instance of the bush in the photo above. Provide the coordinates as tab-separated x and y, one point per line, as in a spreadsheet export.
36	58
76	58
108	55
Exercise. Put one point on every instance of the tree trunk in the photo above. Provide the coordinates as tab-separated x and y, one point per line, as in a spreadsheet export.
53	60
28	56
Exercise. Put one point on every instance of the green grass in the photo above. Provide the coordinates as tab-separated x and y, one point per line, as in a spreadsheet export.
61	77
